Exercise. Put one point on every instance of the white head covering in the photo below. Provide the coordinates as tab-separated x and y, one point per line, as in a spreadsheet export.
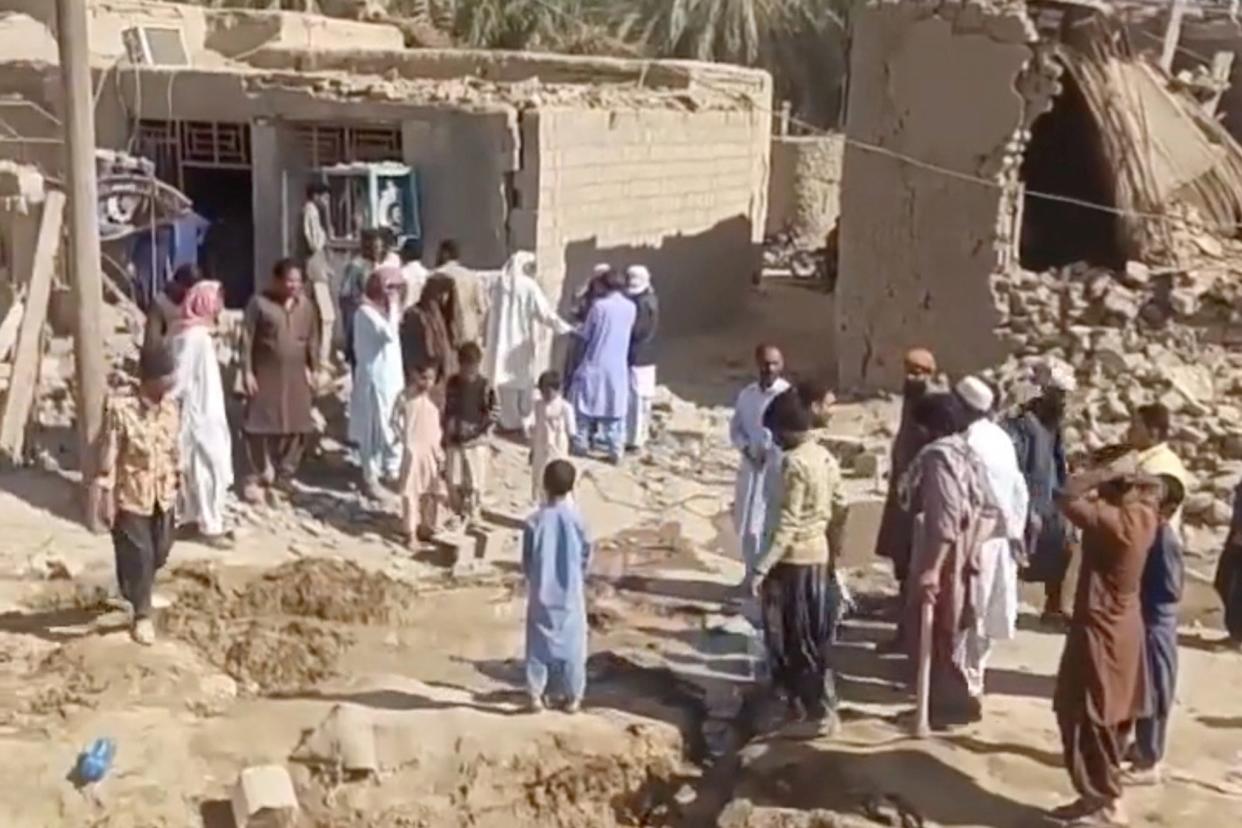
601	268
975	393
638	279
520	263
1054	373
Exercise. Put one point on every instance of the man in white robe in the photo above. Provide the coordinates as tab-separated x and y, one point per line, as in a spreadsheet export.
996	587
517	310
206	444
760	462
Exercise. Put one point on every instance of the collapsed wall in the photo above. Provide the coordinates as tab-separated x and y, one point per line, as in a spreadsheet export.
918	248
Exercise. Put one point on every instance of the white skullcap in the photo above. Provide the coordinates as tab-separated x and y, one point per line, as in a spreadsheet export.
601	268
975	393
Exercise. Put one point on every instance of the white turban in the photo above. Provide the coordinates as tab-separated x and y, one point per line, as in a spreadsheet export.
638	280
1056	374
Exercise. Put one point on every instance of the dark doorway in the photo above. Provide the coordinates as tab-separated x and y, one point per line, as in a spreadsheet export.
223	197
1065	158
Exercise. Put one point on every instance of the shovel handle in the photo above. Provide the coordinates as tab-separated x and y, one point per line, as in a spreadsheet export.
922	719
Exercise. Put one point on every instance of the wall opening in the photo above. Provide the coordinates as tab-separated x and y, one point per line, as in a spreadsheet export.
1065	157
226	254
210	162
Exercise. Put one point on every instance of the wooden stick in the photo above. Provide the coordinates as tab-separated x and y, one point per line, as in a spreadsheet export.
922	721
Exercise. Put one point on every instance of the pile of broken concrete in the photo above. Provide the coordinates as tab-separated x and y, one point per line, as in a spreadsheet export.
1136	336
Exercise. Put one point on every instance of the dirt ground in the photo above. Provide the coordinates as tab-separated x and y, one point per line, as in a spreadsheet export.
318	630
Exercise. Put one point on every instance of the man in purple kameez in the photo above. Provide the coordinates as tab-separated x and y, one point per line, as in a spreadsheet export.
601	384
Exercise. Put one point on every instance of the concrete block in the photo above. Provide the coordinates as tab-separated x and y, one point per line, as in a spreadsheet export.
264	798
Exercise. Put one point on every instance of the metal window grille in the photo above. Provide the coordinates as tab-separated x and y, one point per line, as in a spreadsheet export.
173	145
326	145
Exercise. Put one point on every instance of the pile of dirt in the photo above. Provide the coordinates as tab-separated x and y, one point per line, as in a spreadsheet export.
549	782
261	655
277	633
330	590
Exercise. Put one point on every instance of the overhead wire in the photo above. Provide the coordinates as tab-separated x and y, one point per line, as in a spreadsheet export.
815	130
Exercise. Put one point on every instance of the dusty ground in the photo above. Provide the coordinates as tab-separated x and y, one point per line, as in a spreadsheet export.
318	624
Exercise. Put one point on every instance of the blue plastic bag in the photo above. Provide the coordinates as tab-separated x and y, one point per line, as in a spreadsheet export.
95	761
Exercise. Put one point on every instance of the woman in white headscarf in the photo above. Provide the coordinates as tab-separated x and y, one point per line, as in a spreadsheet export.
517	306
642	355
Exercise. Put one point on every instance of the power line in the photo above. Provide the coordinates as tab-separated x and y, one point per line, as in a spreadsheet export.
927	165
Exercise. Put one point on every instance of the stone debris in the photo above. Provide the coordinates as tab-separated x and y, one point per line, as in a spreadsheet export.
264	798
1139	335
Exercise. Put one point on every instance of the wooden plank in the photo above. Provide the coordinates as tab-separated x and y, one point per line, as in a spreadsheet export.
1222	69
9	327
20	397
1172	34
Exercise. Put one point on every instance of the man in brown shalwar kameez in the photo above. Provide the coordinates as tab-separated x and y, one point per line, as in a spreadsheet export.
280	361
1101	684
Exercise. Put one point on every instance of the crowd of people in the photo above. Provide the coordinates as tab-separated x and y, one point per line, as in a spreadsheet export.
979	501
440	359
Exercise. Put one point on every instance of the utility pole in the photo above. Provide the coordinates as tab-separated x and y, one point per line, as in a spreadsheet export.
79	124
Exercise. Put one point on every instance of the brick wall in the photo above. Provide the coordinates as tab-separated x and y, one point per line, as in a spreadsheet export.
681	192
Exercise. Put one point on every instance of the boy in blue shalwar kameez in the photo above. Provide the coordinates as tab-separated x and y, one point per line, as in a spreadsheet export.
1159	593
555	557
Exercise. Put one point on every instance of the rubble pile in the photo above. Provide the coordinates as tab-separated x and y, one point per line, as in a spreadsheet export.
1135	336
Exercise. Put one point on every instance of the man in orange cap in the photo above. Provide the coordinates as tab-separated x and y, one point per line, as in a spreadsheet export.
897	524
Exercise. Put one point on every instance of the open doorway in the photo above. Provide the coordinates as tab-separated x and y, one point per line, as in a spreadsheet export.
1065	157
223	197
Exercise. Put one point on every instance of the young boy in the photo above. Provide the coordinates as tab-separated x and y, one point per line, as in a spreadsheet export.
1160	593
136	487
555	557
417	420
469	415
552	431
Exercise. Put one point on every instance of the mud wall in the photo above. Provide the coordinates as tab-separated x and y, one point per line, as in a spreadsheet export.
681	192
919	248
804	189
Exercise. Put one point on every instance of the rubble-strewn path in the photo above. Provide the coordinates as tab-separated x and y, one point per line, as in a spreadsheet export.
389	682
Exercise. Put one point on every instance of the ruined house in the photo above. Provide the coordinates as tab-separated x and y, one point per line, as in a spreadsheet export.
578	159
977	131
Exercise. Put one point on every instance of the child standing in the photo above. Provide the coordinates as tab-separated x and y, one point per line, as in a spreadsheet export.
135	491
469	415
555	557
1159	593
554	427
417	419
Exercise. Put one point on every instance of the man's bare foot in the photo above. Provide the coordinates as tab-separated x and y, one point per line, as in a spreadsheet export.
143	631
534	704
1111	815
254	494
1140	777
1074	810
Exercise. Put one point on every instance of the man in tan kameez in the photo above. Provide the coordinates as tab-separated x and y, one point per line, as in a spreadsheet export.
1101	684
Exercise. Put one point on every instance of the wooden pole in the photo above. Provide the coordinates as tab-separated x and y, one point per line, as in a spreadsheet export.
73	36
922	718
1172	34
